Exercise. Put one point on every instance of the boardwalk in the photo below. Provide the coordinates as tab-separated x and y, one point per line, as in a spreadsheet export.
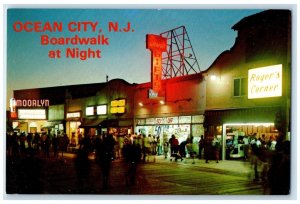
49	176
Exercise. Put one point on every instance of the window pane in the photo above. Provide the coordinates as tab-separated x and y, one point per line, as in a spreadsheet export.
244	86
236	91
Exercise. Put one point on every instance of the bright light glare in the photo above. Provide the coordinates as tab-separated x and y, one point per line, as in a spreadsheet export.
213	77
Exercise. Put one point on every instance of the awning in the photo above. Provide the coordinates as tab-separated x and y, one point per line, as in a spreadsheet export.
246	115
125	123
109	123
104	122
90	123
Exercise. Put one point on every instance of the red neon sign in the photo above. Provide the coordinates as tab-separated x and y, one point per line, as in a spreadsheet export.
157	44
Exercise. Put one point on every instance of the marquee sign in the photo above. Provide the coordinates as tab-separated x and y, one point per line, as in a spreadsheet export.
73	115
30	102
265	82
157	44
32	114
24	103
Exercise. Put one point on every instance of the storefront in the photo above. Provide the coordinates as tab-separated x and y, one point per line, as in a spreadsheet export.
73	122
56	120
233	127
30	120
248	88
183	127
107	118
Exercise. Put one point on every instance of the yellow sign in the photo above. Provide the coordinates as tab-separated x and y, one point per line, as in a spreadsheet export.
120	102
117	106
265	82
117	110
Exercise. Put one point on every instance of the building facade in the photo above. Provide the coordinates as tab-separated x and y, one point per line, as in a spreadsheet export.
245	92
248	88
180	111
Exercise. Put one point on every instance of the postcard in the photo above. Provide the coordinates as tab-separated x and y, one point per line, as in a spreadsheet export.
159	102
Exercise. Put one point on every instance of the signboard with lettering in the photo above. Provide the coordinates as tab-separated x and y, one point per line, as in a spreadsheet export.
197	118
32	103
157	44
141	121
117	106
265	82
73	115
120	102
150	121
185	119
32	114
114	110
172	120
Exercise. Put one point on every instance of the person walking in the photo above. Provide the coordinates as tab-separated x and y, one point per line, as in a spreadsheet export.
207	149
201	146
166	148
132	154
106	156
55	146
216	148
146	147
174	144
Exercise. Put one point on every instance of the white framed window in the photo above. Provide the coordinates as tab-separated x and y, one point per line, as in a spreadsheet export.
102	110
89	110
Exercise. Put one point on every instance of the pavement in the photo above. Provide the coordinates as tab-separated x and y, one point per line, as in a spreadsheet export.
158	176
238	167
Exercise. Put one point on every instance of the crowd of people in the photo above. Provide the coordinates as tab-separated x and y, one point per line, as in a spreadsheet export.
270	161
35	143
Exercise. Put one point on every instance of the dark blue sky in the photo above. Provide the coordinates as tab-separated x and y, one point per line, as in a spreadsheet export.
28	64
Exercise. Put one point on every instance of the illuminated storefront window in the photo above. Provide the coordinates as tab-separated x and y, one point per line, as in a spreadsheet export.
102	110
89	111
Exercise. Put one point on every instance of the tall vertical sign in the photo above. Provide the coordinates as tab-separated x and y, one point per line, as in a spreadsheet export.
157	44
12	106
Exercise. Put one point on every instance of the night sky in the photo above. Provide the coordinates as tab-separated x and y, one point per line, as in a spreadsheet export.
126	56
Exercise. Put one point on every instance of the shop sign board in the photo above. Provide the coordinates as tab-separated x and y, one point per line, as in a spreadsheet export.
150	121
167	120
265	82
30	102
185	119
152	94
73	115
32	114
117	106
159	121
141	121
197	118
157	44
172	120
115	110
120	102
